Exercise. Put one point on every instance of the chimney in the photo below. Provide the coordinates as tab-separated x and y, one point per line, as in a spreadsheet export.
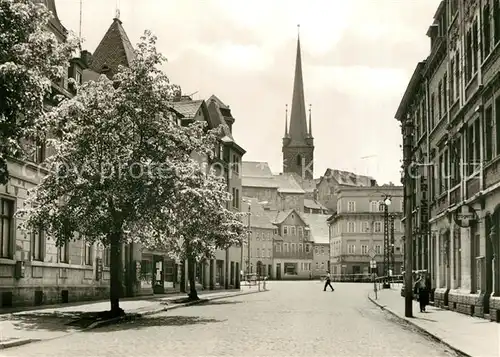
373	183
86	57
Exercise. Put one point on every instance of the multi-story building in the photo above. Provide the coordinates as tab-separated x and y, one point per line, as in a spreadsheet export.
35	271
358	227
262	235
453	102
293	246
319	235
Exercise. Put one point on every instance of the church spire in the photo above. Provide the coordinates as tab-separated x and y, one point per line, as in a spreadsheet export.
310	123
298	121
286	120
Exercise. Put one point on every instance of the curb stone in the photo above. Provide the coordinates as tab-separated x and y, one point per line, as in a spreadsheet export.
15	343
419	328
25	341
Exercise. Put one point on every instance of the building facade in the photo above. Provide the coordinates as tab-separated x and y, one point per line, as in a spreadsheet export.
293	248
452	102
357	228
34	271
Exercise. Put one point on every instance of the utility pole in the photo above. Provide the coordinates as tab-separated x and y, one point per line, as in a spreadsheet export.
407	127
249	237
387	247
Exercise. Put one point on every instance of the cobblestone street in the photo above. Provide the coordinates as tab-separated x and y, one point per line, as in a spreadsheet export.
292	319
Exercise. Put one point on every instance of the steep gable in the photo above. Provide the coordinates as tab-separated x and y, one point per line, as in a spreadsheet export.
115	49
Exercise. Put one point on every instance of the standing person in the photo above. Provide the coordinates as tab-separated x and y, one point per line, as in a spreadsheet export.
423	292
328	282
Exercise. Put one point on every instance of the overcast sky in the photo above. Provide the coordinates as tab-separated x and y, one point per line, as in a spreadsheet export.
358	56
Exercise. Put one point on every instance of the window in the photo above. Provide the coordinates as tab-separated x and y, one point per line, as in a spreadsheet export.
488	133
106	257
468	55
308	248
269	252
258	252
300	231
300	248
351	249
373	206
293	232
37	245
350	227
381	207
78	77
278	247
445	93
366	227
285	230
377	227
364	249
440	100
351	206
457	74
378	249
285	247
497	124
6	227
486	30
293	247
476	54
496	21
64	253
451	93
433	112
87	256
322	250
315	250
236	164
402	205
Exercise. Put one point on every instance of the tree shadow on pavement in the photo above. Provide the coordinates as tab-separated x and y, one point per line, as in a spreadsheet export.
155	321
52	321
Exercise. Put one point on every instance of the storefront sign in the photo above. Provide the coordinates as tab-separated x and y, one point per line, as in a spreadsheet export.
465	216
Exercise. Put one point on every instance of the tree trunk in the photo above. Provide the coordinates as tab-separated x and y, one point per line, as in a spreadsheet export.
182	286
193	295
116	274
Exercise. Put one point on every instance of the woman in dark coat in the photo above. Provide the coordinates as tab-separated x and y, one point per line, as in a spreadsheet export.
423	292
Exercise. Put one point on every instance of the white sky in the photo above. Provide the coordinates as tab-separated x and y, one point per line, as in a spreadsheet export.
358	56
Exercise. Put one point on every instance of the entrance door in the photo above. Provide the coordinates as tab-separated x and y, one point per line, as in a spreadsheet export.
158	281
278	271
259	268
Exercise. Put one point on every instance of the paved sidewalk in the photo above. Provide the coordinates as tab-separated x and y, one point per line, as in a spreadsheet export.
28	326
469	335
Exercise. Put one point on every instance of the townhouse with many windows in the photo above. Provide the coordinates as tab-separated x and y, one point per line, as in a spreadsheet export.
358	227
453	104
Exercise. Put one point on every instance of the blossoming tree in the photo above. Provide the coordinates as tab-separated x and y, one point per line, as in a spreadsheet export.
30	58
118	163
199	222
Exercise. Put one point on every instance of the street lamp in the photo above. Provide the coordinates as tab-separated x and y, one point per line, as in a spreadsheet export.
249	202
387	247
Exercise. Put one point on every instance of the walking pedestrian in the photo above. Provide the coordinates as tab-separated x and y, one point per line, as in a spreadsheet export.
423	291
328	282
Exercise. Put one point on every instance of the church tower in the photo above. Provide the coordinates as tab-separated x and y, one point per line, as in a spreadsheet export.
298	142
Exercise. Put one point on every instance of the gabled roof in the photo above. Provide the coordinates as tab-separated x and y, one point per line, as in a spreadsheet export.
217	101
264	182
318	226
288	184
114	50
188	108
218	120
258	217
347	178
256	169
313	204
280	216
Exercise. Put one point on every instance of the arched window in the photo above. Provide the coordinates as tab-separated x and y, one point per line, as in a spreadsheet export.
299	160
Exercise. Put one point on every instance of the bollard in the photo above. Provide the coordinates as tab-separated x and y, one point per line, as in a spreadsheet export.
259	284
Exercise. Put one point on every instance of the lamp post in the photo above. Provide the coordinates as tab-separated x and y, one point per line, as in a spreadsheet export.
407	131
387	246
249	202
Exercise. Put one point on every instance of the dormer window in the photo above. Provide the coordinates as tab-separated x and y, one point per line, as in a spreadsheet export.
78	77
105	69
